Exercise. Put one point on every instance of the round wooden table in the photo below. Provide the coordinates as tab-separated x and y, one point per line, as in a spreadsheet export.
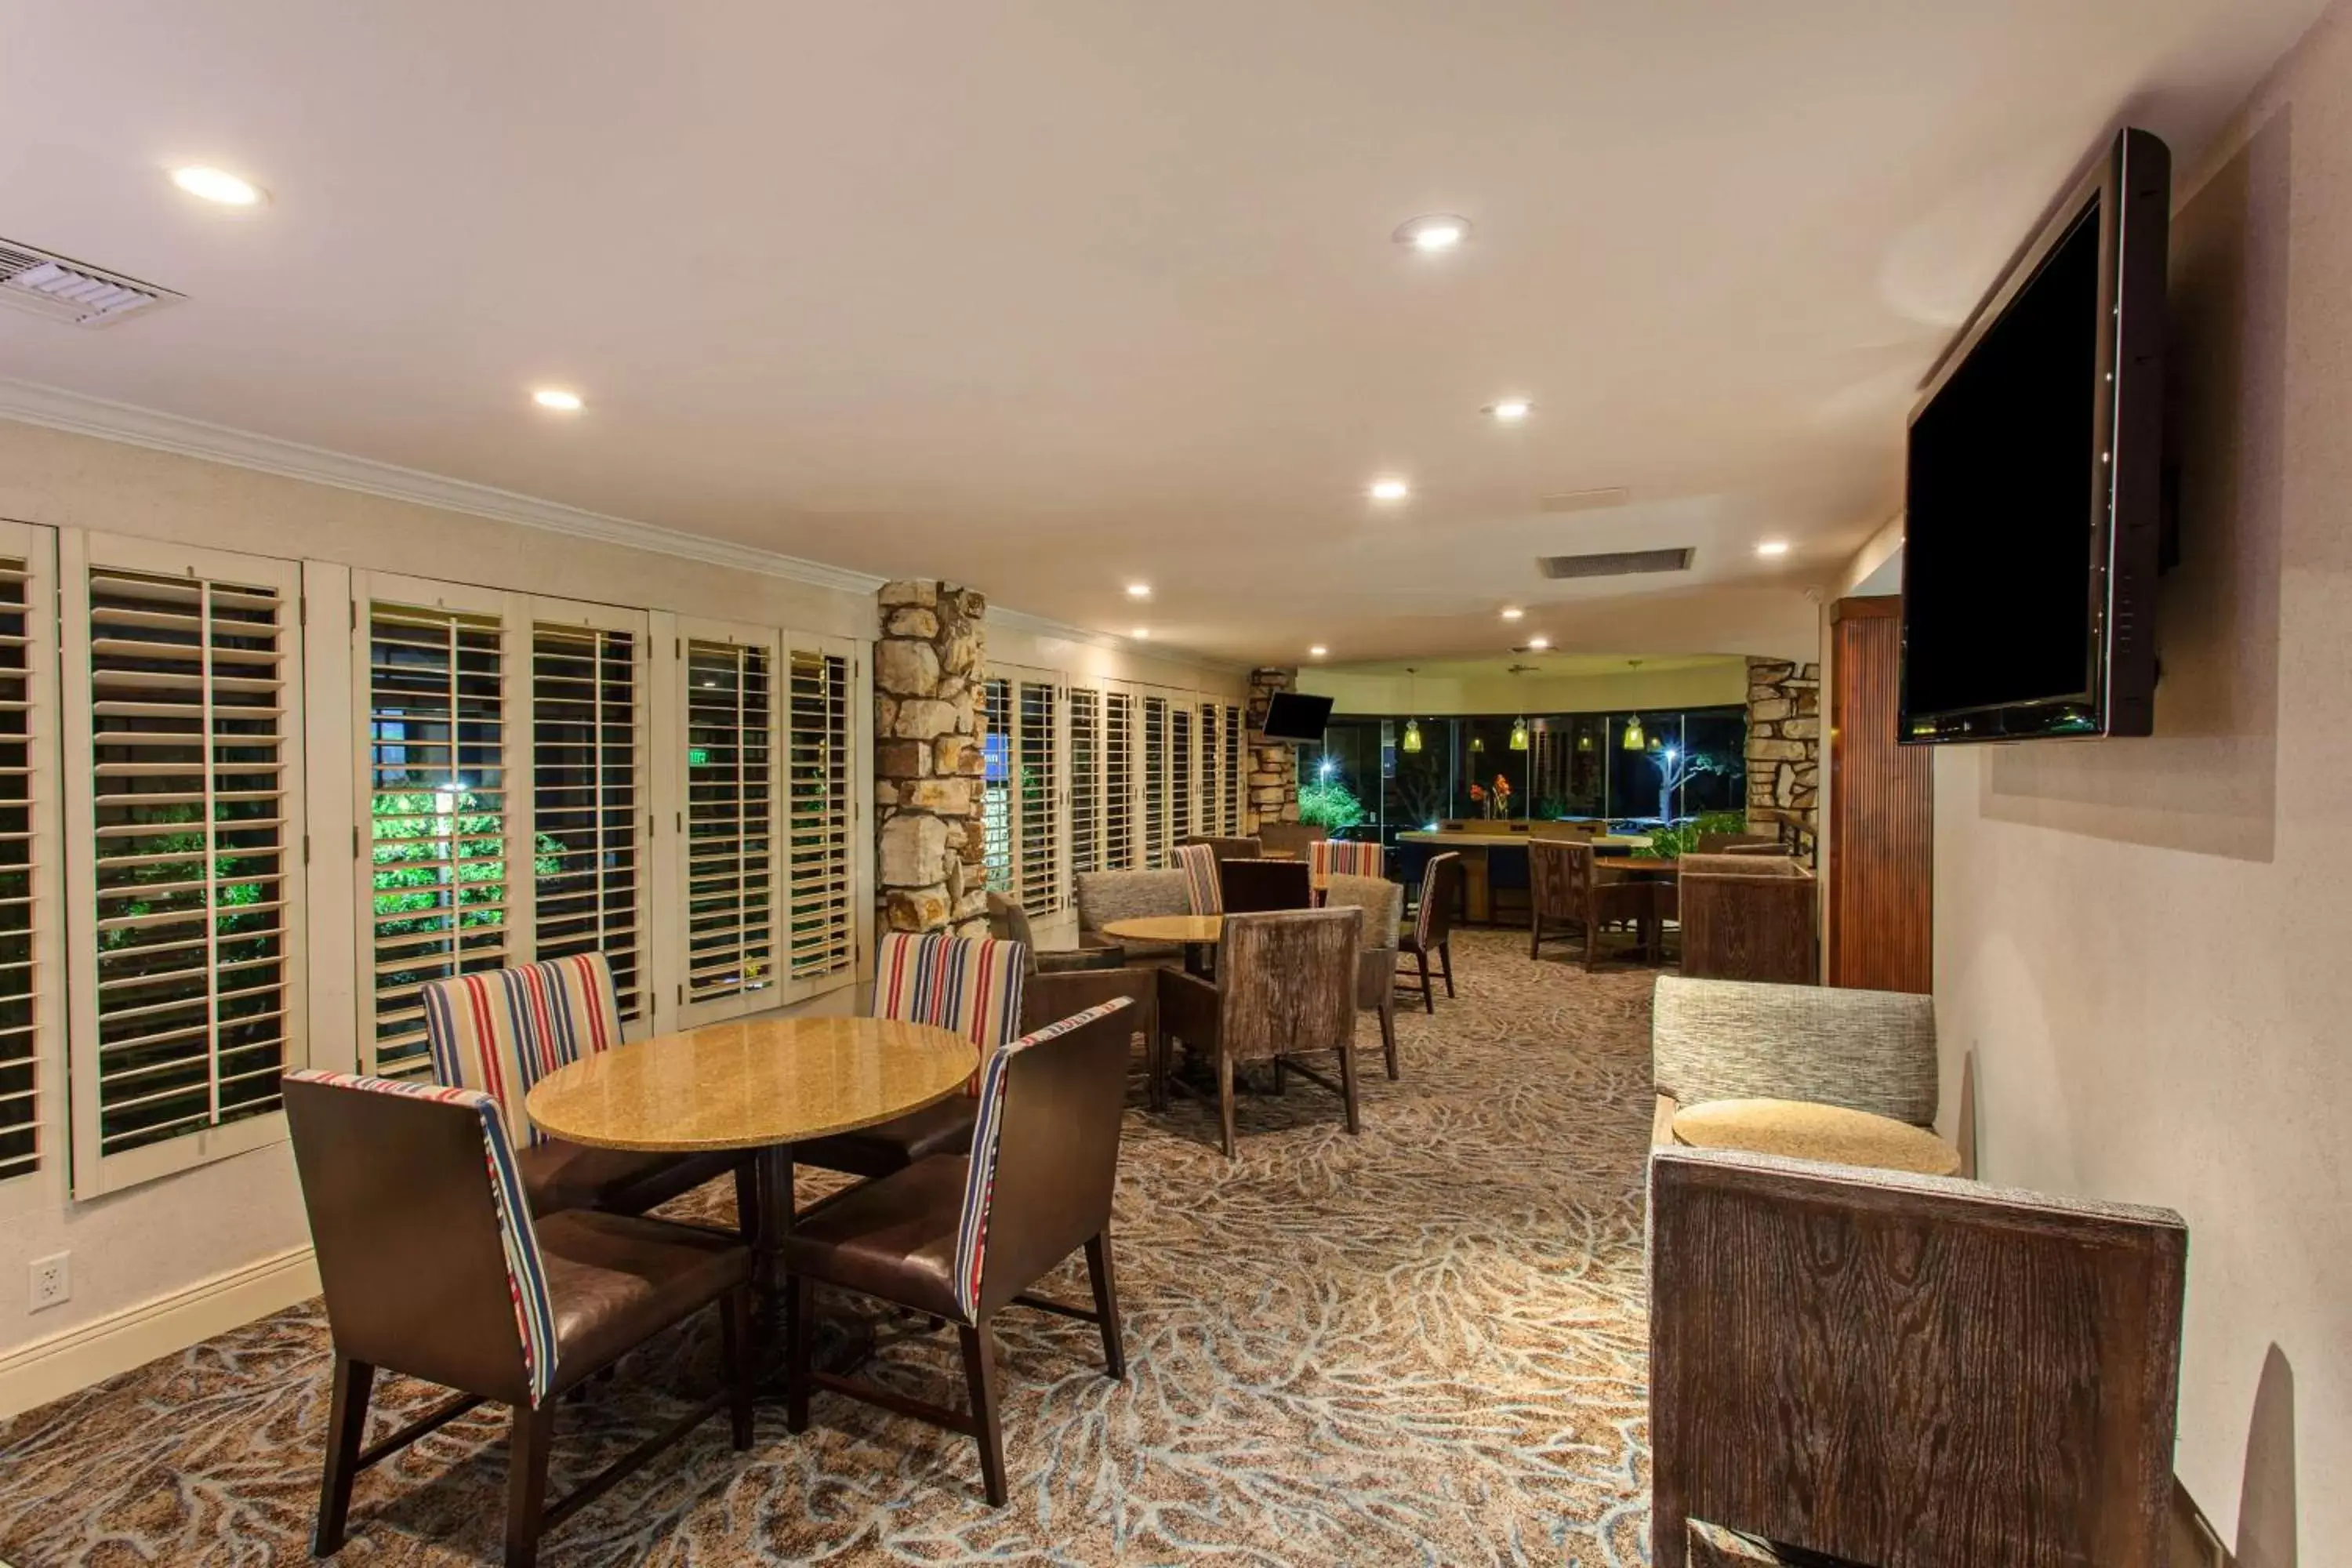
762	1084
1194	933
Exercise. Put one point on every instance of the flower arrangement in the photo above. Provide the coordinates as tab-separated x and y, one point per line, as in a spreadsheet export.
1495	801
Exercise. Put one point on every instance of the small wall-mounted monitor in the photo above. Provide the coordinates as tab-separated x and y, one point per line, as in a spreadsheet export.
1295	716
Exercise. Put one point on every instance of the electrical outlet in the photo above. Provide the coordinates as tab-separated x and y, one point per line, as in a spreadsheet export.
52	1280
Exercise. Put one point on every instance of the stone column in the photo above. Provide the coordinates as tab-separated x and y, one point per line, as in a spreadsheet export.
1784	748
1273	769
929	667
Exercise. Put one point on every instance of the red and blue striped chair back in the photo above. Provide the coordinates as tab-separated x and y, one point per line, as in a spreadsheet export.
503	1030
970	985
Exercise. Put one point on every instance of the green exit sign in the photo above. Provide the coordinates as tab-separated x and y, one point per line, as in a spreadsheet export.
697	756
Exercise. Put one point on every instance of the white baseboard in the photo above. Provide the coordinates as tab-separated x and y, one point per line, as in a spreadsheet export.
91	1352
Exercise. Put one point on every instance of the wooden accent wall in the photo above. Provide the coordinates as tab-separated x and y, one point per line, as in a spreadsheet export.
1882	811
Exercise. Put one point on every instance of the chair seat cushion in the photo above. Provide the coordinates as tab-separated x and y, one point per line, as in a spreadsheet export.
614	1281
1801	1130
892	1145
894	1237
557	1175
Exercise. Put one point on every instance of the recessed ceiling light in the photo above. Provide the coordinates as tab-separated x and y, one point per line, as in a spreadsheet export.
1317	651
1138	590
1539	642
1391	490
1512	612
557	398
1141	634
1510	410
218	186
1437	231
1773	547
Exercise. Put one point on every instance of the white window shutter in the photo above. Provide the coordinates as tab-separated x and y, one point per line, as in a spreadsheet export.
32	988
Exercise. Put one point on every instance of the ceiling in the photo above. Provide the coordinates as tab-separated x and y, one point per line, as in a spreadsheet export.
1049	296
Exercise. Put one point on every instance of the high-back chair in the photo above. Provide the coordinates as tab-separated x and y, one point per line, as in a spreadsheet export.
1346	857
433	1266
1106	896
1199	864
1431	930
1748	917
961	1238
1008	921
501	1031
1286	987
1228	849
1382	902
1253	887
1881	1368
1571	891
970	985
1291	837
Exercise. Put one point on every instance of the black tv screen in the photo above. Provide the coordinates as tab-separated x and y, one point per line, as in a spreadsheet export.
1295	716
2032	490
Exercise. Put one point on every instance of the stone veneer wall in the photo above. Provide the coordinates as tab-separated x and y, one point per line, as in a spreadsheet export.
928	669
1784	748
1273	769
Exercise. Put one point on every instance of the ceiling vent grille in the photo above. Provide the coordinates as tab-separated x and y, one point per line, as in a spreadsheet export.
74	291
1586	501
1615	562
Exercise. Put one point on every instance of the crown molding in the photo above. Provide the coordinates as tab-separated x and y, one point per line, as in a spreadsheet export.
1045	627
58	409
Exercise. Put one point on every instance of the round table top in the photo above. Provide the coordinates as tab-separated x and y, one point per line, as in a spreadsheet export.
1168	928
1804	1131
752	1084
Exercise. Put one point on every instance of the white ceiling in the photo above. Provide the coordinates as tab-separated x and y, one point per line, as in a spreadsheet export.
1048	297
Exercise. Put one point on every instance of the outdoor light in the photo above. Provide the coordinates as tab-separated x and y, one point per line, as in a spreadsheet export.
1327	766
1519	734
1633	734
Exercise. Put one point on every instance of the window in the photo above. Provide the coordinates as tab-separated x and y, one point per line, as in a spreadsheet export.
1119	782
996	788
1041	801
183	672
1234	769
1155	782
1179	771
728	826
587	800
1086	780
1211	819
820	812
29	988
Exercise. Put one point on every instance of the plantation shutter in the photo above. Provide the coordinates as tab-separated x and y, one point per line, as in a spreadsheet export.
1155	782
1211	819
436	893
183	692
30	989
1119	782
1040	801
729	824
588	797
820	818
1235	769
1086	780
996	787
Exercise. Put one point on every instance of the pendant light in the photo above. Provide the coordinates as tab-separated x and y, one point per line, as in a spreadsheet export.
1519	734
1633	734
1412	726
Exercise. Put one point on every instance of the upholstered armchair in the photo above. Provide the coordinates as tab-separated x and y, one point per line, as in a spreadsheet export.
1740	844
1202	893
1748	917
1382	902
1346	857
1228	849
502	1031
1286	987
1008	921
1104	896
1291	837
1570	890
433	1267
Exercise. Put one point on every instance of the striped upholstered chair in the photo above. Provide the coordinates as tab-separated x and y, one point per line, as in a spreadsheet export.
1431	929
1199	864
502	1031
960	1237
433	1267
970	985
1329	857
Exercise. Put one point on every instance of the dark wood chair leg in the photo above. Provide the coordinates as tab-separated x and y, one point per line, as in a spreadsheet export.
987	1422
1535	934
800	1314
1428	988
735	1357
526	1483
747	1200
1106	1284
1281	1080
1348	1088
1445	957
1592	941
346	1428
1388	1035
1225	1098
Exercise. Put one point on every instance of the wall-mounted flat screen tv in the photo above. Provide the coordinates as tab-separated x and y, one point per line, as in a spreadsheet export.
1295	716
2033	493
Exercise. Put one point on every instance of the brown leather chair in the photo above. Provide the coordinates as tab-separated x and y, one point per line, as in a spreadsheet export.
1048	997
1290	837
1573	890
1286	987
1432	927
1748	917
433	1266
1253	887
961	1237
1008	921
1226	849
1382	902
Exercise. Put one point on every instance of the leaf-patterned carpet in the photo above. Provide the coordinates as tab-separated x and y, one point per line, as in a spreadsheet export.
1422	1345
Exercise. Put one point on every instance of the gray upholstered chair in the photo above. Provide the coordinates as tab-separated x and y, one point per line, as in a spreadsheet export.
1748	917
1008	921
1730	1039
1382	902
1104	896
1570	889
1286	987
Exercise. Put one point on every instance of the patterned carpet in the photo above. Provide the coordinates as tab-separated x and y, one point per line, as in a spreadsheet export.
1422	1345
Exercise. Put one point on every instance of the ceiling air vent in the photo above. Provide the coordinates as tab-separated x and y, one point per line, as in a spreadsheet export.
1586	501
72	291
1615	562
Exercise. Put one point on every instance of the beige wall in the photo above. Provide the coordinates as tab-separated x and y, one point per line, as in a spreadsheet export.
1707	684
2143	943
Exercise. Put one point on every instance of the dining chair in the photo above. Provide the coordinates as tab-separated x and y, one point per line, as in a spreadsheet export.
501	1031
433	1266
1382	902
1574	891
961	1237
1252	887
1347	857
1008	921
1107	897
1291	837
1228	849
970	985
1199	864
1748	917
1431	930
1286	987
